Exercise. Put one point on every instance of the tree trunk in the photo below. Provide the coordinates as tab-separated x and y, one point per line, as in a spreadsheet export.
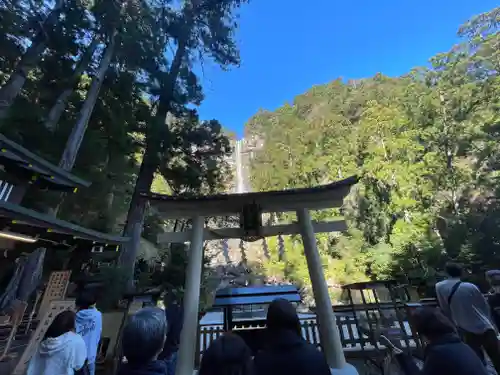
15	83
135	217
149	165
60	105
76	137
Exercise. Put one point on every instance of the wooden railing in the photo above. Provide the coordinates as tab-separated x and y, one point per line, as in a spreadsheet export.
356	341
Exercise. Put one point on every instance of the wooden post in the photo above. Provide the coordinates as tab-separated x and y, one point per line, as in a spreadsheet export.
56	290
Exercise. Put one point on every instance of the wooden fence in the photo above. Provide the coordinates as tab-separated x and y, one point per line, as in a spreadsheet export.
350	320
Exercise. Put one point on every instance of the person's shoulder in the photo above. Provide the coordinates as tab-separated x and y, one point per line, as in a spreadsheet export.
469	286
315	357
457	355
441	284
311	349
76	338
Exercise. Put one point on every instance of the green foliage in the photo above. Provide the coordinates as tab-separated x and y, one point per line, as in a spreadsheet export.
47	53
426	148
114	287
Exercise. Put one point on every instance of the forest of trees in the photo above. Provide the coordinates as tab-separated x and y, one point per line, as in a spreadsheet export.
108	90
426	146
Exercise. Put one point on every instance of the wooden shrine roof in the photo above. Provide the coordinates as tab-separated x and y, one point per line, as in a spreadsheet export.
22	220
255	295
319	197
20	161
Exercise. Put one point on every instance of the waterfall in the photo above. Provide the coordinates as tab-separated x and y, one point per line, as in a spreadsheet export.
240	183
240	186
225	251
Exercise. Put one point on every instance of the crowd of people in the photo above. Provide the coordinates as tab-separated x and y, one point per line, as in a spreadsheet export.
145	338
457	335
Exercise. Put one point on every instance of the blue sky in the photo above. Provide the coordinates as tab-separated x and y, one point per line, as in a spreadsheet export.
287	46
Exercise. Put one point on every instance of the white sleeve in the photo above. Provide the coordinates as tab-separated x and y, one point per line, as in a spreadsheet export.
33	364
79	354
99	330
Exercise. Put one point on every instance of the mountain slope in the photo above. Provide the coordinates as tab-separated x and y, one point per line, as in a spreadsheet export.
426	147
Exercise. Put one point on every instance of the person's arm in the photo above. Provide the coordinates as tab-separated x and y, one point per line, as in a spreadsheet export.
481	303
439	296
79	353
442	301
480	300
98	332
33	364
405	362
408	365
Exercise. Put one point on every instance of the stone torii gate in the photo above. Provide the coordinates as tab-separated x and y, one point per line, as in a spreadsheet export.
250	207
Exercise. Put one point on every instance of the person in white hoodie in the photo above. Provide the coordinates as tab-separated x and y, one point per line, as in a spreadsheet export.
89	326
62	351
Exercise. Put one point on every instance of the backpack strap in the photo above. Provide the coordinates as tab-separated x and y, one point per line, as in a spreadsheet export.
453	291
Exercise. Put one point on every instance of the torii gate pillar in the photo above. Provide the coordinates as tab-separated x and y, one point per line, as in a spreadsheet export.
328	330
187	347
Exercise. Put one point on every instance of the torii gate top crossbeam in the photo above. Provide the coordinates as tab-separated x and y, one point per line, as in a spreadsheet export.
319	197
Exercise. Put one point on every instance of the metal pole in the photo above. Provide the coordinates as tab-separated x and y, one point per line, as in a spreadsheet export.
187	347
330	336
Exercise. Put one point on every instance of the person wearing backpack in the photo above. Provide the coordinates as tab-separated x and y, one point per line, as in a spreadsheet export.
466	306
444	352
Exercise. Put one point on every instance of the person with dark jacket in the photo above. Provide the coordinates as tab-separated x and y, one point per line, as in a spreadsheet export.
465	305
228	355
143	338
445	353
287	352
175	318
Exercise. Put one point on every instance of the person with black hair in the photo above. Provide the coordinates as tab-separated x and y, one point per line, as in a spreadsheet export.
287	352
467	307
89	326
61	351
445	353
143	338
228	355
